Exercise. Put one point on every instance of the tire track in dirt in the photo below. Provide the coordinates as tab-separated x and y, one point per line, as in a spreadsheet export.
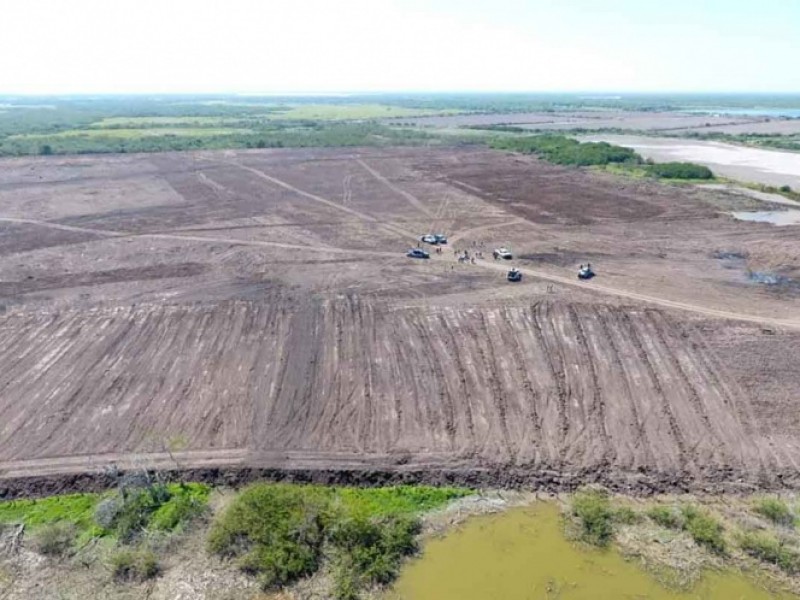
482	228
677	435
489	360
557	374
287	186
437	372
531	409
640	438
454	352
658	326
412	200
597	412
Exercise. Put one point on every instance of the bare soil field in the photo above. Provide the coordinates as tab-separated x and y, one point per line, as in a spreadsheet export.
254	312
597	119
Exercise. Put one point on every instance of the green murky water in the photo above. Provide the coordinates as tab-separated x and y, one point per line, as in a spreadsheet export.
523	555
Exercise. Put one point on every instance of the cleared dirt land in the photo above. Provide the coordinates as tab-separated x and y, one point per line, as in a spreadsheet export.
255	309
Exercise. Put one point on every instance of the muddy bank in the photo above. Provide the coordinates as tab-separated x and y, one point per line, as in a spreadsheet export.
644	483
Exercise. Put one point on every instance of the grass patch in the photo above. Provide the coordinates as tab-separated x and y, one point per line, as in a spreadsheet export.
666	516
283	532
775	510
767	548
593	510
55	539
76	509
705	530
134	565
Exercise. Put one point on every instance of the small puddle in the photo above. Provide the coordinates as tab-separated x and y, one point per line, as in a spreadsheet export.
776	217
522	555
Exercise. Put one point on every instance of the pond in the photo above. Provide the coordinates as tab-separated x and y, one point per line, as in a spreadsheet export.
522	555
776	217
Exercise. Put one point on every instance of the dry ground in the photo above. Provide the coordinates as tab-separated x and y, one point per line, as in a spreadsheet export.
256	309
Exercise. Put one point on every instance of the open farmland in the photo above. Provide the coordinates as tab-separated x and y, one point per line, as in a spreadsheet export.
255	309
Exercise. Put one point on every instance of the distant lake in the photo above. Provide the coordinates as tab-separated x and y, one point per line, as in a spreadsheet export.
793	113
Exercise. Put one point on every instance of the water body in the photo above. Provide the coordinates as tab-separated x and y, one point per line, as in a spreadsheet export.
771	167
522	555
792	113
776	217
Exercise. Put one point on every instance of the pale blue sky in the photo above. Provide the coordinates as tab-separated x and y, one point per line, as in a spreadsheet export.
120	46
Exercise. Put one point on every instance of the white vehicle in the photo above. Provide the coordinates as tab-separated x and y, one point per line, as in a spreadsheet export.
429	239
503	253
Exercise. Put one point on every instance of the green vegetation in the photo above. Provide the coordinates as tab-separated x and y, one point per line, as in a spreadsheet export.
134	565
124	514
75	509
705	530
55	539
282	533
562	150
340	112
769	549
679	170
775	510
593	509
666	516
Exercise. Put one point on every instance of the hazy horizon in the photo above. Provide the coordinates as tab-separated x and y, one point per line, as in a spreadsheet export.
91	47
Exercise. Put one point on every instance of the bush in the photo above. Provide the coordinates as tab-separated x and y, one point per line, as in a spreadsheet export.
666	517
275	530
775	510
369	552
769	549
626	516
55	539
134	565
704	529
593	509
785	189
679	170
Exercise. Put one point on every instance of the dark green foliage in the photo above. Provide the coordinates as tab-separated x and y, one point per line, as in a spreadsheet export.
666	516
275	530
55	539
679	170
562	150
769	549
370	551
626	516
593	509
785	189
283	532
704	529
775	510
134	565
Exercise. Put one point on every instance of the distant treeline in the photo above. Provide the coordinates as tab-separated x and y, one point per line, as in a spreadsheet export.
327	135
562	150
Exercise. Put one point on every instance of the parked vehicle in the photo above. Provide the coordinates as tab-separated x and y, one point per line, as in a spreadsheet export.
417	253
514	275
503	253
585	272
429	239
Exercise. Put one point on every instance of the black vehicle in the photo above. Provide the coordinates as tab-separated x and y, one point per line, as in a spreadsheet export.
417	253
514	275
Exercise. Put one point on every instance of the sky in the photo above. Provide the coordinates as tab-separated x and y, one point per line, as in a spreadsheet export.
308	46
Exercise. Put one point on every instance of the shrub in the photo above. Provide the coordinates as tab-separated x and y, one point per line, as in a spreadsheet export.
593	509
55	539
769	549
134	565
666	517
275	530
679	170
626	516
785	189
775	510
704	529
